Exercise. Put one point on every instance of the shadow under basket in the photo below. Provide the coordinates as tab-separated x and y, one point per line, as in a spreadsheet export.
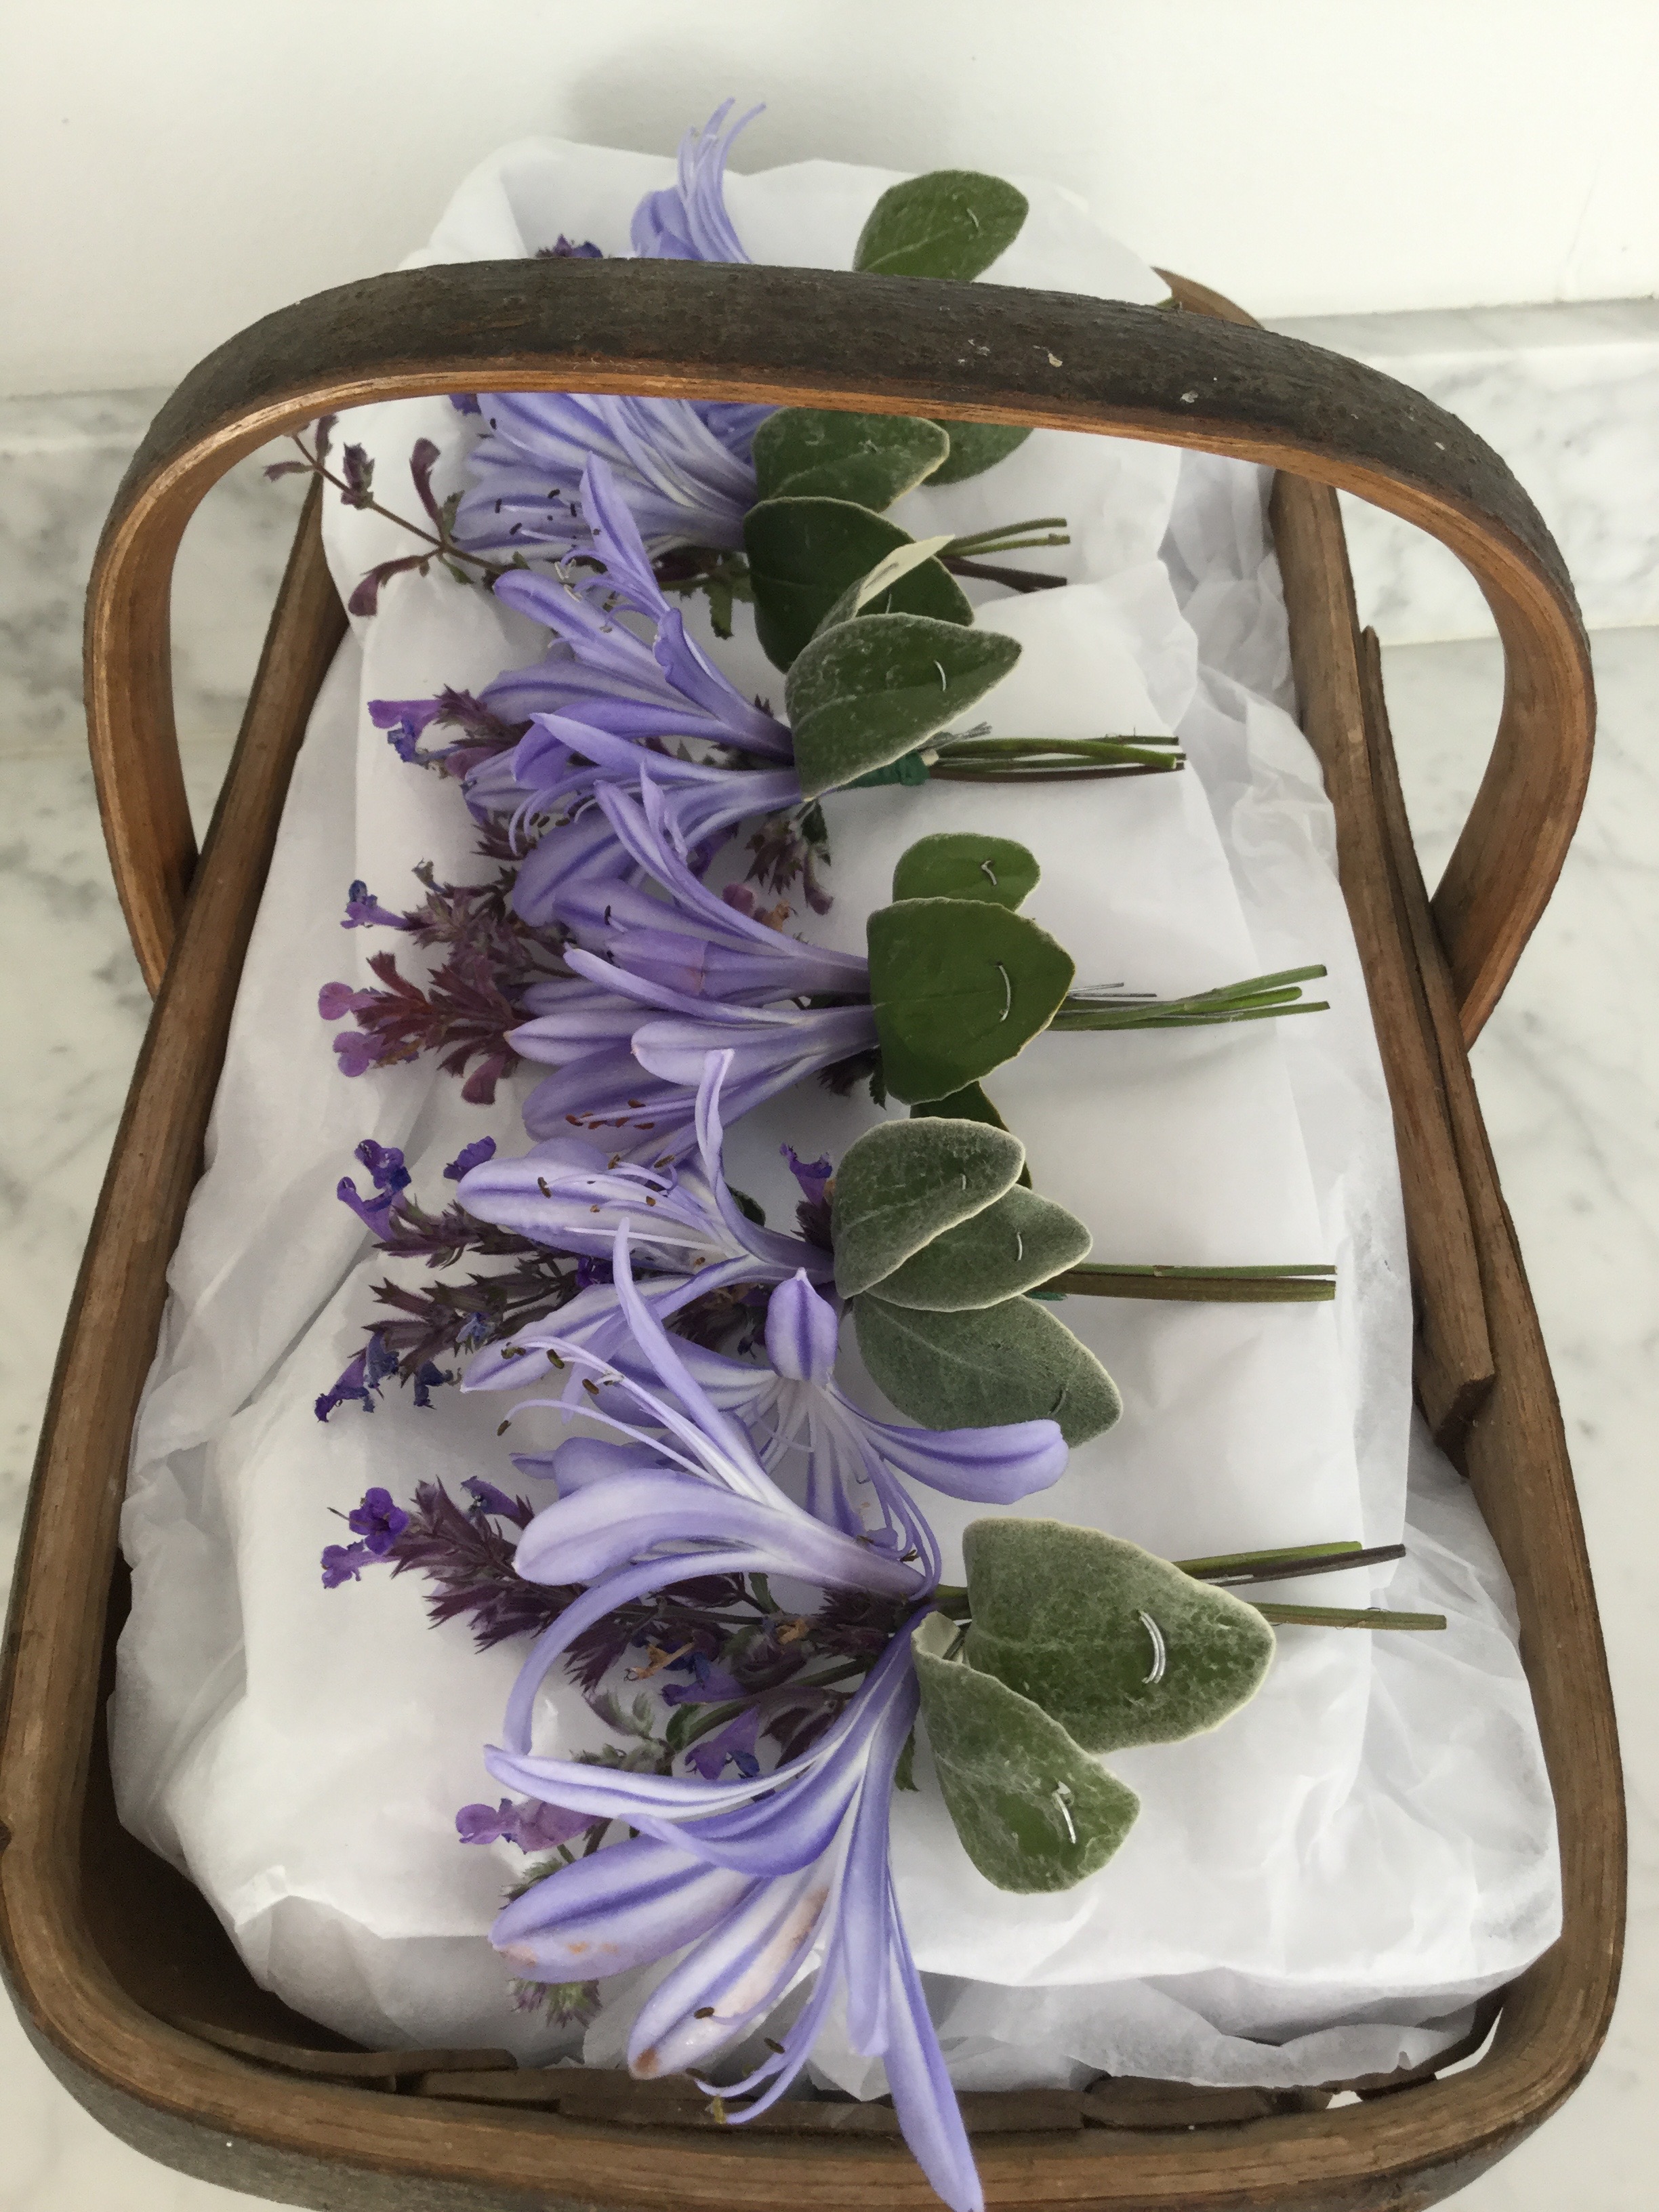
124	1979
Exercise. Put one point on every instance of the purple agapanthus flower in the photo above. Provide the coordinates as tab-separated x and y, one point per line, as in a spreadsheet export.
802	1424
756	1877
660	984
684	1496
599	670
684	464
687	220
687	1234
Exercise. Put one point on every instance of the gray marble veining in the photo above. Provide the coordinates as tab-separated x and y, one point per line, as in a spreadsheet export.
1569	396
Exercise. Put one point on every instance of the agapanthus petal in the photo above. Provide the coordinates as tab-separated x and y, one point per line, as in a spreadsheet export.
733	1977
802	1331
615	1909
988	1467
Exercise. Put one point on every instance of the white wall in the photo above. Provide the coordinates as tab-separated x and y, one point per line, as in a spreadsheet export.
170	169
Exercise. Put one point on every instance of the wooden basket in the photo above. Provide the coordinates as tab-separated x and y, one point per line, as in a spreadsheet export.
124	1979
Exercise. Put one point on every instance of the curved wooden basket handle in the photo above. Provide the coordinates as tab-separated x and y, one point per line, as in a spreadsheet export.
881	344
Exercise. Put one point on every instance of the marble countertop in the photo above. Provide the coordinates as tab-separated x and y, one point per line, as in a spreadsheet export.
1568	1072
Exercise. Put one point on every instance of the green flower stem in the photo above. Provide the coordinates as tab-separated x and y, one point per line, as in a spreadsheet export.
1272	1567
1051	760
1262	997
1006	537
1333	1616
1288	1285
1015	579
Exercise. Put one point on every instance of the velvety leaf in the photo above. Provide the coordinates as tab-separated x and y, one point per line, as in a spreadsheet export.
887	572
902	1183
1011	1247
1118	1646
870	691
872	459
967	1104
804	553
958	986
965	864
974	448
1013	1362
1033	1811
951	222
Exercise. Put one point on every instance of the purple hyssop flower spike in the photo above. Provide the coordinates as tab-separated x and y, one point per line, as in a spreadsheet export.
684	464
386	1166
378	1520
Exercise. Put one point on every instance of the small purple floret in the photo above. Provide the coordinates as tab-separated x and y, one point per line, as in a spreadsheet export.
469	1157
378	1520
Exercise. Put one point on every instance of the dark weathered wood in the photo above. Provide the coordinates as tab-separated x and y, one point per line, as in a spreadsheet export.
1453	1355
980	352
232	2118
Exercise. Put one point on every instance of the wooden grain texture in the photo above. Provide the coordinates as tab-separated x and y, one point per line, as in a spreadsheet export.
1452	1351
892	344
227	2115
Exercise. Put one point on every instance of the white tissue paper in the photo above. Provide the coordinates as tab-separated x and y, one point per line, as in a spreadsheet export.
1320	1888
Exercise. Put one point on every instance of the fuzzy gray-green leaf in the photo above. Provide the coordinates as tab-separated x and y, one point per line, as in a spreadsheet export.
871	460
951	222
1034	1813
966	864
902	1183
804	553
958	987
865	693
1012	1362
1118	1646
974	448
1011	1247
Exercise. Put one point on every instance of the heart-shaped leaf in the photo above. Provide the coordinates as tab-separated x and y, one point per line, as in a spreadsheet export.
872	459
958	986
1011	1247
974	448
1033	1811
951	222
1012	1362
804	553
902	1183
867	692
1118	1646
964	864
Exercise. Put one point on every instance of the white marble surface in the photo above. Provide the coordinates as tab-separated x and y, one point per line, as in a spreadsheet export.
1569	396
1568	1070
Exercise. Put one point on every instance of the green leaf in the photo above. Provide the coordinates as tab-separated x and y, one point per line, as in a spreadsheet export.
887	572
1033	1811
1118	1646
974	448
1012	1362
958	986
870	691
961	864
872	459
951	222
1011	1247
967	1104
902	1183
804	553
